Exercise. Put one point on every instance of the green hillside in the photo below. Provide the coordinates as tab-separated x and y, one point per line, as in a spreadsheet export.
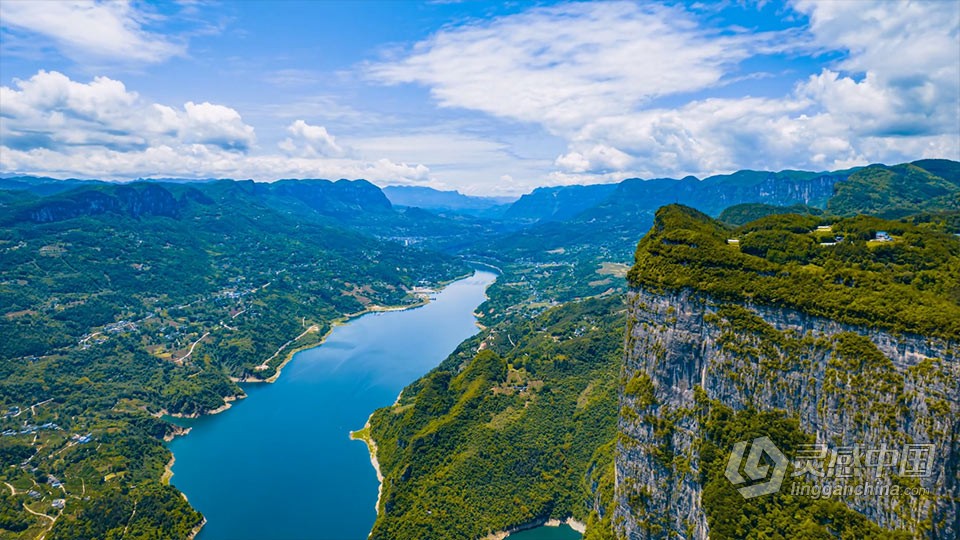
742	214
899	190
908	284
517	432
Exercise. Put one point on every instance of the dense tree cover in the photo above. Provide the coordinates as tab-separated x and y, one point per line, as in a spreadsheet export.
519	431
120	302
780	516
144	513
741	214
900	190
12	516
909	284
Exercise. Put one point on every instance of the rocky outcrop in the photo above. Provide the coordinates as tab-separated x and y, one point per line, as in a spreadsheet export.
846	385
133	200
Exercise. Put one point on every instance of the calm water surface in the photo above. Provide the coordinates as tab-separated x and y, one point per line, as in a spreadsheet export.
280	465
562	532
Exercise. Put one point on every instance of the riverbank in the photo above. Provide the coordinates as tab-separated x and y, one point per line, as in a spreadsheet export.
227	403
424	296
364	435
196	530
168	470
578	526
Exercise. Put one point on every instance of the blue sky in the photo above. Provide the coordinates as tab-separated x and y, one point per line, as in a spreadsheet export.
482	97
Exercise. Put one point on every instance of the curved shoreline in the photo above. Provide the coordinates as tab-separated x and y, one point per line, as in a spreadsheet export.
363	434
424	299
578	526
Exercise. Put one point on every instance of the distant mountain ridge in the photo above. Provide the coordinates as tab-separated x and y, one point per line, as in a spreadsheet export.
343	198
434	199
558	203
887	191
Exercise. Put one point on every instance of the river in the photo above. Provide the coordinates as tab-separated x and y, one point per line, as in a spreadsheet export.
279	464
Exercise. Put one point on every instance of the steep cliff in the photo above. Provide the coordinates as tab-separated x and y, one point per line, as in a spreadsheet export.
846	385
699	358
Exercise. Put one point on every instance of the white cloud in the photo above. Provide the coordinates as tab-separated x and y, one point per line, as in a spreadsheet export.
901	76
582	92
564	64
459	160
590	73
599	158
51	110
200	161
310	140
50	124
106	30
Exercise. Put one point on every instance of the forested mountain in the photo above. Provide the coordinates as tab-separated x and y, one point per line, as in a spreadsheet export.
741	214
557	203
514	427
848	342
928	185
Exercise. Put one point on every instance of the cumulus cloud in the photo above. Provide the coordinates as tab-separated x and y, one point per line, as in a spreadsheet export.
597	159
51	110
103	29
310	140
594	75
901	74
52	125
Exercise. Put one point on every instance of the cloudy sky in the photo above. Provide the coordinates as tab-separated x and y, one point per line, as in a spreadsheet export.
487	98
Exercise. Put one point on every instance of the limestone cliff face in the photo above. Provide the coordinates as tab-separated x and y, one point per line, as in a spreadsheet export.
847	385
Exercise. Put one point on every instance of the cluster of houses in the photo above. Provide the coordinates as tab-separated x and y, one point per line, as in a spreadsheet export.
120	326
30	428
880	236
81	439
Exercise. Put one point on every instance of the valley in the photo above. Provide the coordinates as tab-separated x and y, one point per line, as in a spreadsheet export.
129	306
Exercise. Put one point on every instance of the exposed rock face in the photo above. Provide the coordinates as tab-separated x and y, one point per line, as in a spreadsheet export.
717	193
847	385
130	200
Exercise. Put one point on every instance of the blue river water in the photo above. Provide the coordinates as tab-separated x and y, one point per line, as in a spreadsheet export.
562	532
279	465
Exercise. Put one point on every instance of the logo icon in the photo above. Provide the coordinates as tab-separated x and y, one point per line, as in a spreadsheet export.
756	467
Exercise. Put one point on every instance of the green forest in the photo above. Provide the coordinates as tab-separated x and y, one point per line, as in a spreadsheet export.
507	435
